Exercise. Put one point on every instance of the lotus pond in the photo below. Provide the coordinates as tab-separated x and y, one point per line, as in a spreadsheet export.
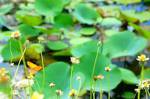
74	49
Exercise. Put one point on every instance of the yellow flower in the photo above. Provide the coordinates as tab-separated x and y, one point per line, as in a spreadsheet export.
3	72
37	95
59	92
78	78
72	93
52	85
75	60
99	77
108	69
142	58
15	34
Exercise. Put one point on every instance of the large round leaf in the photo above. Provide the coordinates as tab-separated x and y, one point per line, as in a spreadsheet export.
57	45
85	70
63	20
85	48
86	14
12	50
49	7
28	31
57	73
124	44
128	76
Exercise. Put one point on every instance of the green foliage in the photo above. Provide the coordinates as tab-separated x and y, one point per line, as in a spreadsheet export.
57	73
86	14
11	51
49	7
63	20
5	9
33	51
128	76
57	45
28	31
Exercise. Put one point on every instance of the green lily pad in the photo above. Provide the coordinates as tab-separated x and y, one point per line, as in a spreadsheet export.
127	1
111	22
144	32
82	49
87	31
79	40
28	31
29	19
33	51
57	73
133	16
63	20
6	8
124	44
147	74
11	51
85	69
49	7
86	14
57	45
128	76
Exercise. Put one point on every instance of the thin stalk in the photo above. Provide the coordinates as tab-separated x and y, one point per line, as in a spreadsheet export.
101	92
94	66
72	67
141	78
78	89
94	90
23	59
109	86
43	80
19	63
10	52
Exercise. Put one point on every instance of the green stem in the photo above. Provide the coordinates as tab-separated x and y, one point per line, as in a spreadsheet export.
94	90
94	66
78	89
101	94
43	80
11	52
72	67
141	78
19	63
101	91
109	86
23	59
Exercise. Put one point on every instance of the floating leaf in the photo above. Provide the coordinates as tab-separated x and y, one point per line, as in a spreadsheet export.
49	7
85	69
78	41
57	73
86	14
127	1
144	32
124	44
87	31
57	45
85	48
132	16
11	51
147	74
110	22
63	20
128	76
29	19
28	31
5	8
33	51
